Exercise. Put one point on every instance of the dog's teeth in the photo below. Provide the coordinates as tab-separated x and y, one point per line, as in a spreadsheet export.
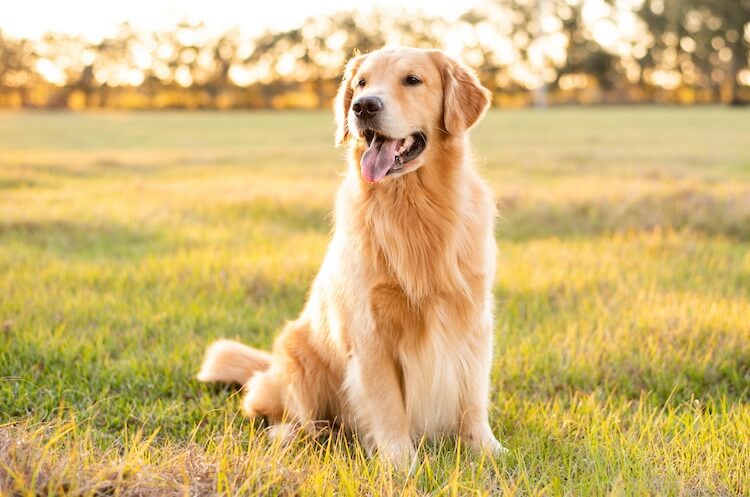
405	146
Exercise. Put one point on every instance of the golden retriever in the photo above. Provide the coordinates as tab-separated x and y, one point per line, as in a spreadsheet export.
395	340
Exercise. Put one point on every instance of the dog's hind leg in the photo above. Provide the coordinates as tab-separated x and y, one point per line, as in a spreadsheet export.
266	396
301	386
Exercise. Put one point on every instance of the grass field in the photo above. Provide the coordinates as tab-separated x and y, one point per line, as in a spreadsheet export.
129	241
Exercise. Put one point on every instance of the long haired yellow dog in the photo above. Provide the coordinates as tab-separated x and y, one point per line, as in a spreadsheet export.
395	340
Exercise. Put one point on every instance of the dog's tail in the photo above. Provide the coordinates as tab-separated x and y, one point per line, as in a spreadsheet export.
228	361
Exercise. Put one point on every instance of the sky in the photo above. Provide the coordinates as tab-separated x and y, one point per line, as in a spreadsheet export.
98	19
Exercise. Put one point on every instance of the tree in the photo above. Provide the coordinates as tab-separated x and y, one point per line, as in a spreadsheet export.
17	72
728	23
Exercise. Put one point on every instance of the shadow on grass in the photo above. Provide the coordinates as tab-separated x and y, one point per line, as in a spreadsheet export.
696	211
18	183
565	343
97	169
290	215
142	391
81	240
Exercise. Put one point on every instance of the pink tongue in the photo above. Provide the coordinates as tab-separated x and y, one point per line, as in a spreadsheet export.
378	159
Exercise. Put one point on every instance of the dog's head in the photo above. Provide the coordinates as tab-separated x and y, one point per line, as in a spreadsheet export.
400	104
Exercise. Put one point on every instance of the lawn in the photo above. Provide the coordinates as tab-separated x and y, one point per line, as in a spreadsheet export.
129	241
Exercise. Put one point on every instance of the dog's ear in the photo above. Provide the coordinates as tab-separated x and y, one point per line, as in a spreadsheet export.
344	99
465	100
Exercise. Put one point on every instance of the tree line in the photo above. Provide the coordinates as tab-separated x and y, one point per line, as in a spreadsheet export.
525	51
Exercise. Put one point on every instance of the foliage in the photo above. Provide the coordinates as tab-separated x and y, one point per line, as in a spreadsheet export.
568	51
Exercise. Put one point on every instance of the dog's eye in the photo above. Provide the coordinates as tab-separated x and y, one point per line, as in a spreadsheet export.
361	83
412	80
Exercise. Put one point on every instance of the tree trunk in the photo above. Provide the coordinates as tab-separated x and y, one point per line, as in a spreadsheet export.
734	71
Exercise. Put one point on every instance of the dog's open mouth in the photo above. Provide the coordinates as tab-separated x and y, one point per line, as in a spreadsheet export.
386	156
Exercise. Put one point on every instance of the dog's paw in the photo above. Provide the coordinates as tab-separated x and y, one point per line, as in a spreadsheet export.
284	433
481	439
400	455
496	448
489	444
248	408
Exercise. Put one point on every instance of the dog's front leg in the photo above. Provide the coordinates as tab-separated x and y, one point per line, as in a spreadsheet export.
374	394
475	425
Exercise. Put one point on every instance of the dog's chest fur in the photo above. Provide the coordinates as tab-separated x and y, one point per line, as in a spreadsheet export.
428	351
423	296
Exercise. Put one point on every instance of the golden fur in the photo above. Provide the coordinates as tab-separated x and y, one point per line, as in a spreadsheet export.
395	340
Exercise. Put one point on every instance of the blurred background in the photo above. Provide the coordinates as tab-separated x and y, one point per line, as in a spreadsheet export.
129	240
285	54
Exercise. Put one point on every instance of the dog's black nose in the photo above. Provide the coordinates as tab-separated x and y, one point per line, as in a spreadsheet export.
367	106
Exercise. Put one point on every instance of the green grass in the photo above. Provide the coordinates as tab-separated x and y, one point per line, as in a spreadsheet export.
129	241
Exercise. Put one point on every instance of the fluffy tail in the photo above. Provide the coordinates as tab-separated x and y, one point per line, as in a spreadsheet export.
228	361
